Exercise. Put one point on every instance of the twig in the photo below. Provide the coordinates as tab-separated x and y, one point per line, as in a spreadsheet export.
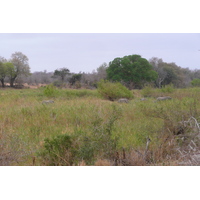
147	147
193	143
196	123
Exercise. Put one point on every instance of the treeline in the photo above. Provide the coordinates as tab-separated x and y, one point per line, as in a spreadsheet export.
133	71
72	80
168	73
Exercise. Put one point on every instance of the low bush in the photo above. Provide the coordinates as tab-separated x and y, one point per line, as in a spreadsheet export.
72	93
113	91
195	82
168	88
59	151
147	91
67	150
50	91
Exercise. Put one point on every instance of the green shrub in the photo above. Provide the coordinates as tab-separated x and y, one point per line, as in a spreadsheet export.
104	143
50	91
147	91
195	82
72	93
113	91
168	88
65	150
59	151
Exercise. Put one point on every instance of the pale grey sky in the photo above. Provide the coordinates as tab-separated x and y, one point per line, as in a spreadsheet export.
87	51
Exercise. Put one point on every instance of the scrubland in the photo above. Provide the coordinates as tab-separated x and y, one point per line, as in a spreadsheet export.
81	128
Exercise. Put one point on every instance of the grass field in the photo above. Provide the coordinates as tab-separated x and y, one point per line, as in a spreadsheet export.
81	128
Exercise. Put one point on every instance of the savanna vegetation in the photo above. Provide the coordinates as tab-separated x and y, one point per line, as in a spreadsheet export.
80	127
76	119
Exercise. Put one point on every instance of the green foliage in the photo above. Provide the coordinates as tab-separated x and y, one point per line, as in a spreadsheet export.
72	93
96	130
132	69
60	150
70	150
113	91
21	67
61	72
195	82
3	73
50	91
75	78
3	70
172	72
104	144
147	91
168	88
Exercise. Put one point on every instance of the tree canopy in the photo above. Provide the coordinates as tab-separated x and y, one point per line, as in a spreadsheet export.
75	78
20	66
14	67
133	70
62	72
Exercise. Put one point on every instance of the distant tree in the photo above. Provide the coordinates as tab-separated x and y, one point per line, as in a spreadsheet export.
20	67
170	73
42	77
195	74
11	73
101	71
133	70
3	60
4	71
158	66
75	78
62	72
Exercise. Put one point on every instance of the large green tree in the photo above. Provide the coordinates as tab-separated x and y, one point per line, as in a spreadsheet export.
20	67
133	70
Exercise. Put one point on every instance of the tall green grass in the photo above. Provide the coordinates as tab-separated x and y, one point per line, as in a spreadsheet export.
26	123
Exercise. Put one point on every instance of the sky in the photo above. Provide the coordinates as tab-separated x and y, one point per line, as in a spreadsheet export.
85	52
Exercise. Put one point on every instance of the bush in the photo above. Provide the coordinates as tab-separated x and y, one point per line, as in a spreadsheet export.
113	91
147	91
50	91
59	151
58	83
65	150
195	82
102	130
72	93
168	88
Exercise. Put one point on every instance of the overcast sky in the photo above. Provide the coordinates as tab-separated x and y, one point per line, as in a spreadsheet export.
87	51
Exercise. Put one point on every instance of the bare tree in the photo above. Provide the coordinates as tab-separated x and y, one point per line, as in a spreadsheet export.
158	66
101	71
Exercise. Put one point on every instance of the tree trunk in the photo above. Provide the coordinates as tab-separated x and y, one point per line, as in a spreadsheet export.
12	80
2	82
